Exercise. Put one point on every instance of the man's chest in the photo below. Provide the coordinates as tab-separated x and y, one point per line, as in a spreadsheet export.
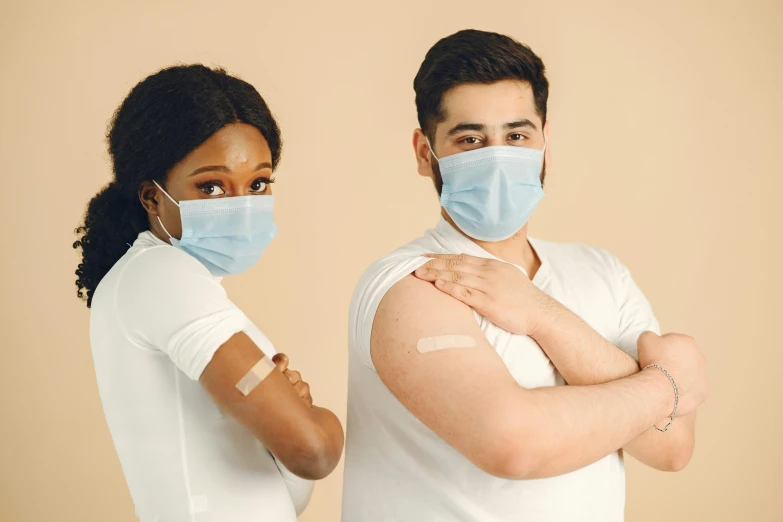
588	296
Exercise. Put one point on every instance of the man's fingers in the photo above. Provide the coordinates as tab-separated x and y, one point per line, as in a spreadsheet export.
460	258
470	296
647	337
462	278
455	264
281	361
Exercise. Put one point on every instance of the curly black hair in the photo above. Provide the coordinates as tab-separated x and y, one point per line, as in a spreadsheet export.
165	117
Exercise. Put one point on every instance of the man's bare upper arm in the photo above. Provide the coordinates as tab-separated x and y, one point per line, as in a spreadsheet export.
462	394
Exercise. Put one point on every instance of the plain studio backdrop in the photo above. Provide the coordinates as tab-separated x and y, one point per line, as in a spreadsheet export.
666	140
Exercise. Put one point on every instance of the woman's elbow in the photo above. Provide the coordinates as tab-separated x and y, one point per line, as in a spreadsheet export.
320	451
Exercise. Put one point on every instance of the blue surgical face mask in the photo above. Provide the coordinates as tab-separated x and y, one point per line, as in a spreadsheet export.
228	235
491	192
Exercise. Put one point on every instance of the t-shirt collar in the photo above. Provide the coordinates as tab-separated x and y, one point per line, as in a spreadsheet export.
455	242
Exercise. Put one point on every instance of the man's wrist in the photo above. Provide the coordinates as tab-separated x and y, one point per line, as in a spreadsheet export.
543	316
661	391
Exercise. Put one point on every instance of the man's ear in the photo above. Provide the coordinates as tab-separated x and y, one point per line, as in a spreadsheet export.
422	151
547	154
149	195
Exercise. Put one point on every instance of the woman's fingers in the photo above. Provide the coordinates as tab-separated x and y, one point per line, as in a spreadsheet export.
294	377
281	361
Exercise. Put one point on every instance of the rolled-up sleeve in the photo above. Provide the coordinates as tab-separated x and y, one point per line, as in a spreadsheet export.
168	301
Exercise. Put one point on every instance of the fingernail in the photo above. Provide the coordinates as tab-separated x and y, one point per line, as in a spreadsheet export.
439	282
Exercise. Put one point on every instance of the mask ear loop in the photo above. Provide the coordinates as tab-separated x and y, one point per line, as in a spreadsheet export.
432	151
172	200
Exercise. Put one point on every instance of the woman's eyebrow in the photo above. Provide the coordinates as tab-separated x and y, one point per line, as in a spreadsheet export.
222	168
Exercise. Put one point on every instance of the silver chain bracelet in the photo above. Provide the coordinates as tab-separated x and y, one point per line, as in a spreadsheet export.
676	396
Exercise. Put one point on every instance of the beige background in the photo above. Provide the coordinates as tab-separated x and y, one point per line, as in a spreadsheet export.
666	134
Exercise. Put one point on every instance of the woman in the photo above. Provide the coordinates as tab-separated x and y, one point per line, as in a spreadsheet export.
194	152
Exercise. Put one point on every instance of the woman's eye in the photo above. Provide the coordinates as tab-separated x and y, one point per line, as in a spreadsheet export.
258	185
212	189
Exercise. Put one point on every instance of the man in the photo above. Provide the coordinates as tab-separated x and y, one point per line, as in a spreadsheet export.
458	407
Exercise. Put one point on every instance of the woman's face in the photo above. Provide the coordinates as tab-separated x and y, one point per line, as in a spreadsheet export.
235	161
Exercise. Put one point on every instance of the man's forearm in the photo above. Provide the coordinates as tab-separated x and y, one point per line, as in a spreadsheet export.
578	352
583	357
569	427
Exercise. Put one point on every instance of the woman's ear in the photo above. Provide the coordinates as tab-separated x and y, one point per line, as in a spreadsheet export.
149	196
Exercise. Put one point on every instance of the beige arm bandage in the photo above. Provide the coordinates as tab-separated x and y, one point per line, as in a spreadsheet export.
257	373
442	342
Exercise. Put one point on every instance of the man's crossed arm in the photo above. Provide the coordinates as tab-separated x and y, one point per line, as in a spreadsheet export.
500	292
468	397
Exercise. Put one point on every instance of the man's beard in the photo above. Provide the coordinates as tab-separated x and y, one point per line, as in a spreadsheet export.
437	179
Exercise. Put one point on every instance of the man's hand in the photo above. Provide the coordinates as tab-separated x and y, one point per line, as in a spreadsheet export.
680	356
499	291
294	377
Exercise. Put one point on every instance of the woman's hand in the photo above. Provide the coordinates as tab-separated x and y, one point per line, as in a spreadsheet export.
499	291
294	377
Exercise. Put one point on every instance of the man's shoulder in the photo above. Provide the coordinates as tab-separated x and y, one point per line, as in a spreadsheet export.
396	264
375	282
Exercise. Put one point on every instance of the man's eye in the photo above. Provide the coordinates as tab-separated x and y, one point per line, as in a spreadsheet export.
211	189
471	140
258	185
517	137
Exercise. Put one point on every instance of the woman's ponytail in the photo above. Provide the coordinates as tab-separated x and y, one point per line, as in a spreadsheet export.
113	220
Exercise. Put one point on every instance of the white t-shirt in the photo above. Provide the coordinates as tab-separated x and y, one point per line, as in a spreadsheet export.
156	320
397	469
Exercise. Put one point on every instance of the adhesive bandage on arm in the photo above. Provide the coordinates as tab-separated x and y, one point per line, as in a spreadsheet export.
255	376
442	342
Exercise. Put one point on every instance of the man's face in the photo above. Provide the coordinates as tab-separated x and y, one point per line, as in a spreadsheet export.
481	115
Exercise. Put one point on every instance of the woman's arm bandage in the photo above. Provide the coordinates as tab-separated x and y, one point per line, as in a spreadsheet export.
255	376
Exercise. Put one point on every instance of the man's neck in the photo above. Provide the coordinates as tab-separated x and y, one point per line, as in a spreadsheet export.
515	250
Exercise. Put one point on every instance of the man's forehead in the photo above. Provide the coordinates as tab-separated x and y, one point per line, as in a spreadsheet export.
491	104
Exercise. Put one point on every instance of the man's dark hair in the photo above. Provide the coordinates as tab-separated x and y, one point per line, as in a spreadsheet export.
472	56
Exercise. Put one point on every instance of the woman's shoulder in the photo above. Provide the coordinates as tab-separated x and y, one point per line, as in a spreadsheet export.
153	267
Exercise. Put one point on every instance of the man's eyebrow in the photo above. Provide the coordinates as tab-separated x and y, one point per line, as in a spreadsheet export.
466	126
520	123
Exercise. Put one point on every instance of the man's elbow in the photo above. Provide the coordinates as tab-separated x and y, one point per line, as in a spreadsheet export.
679	458
511	455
